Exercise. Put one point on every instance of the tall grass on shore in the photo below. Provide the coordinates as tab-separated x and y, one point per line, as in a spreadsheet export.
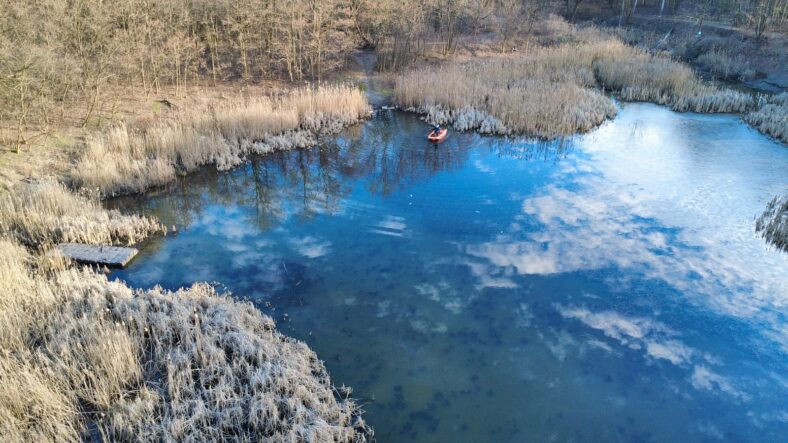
545	94
553	91
129	159
81	356
637	75
771	117
724	65
44	212
79	352
773	223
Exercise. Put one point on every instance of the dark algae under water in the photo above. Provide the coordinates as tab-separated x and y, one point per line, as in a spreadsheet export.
609	287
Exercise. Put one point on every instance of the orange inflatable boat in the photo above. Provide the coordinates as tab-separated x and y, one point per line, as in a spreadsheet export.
435	138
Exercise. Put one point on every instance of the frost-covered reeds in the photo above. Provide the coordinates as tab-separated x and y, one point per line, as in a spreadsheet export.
552	91
545	94
44	212
641	76
128	159
79	352
773	223
772	117
83	357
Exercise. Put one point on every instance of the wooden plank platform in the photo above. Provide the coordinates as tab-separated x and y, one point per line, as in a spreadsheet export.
114	256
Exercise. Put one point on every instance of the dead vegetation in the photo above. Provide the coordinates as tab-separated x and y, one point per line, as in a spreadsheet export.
82	357
544	94
131	158
725	58
772	225
557	90
42	213
79	352
722	64
771	117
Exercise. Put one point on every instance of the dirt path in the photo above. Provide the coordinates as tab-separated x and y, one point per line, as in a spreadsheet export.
375	94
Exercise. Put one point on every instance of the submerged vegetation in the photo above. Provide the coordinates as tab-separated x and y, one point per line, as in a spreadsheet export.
128	159
552	91
773	223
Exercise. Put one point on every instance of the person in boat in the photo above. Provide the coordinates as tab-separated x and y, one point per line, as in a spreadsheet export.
436	130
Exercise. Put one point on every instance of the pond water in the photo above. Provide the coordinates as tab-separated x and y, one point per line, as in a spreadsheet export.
604	288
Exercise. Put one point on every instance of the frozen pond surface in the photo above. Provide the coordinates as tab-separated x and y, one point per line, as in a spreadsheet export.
608	288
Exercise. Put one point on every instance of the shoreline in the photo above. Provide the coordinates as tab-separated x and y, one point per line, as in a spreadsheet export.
139	347
57	192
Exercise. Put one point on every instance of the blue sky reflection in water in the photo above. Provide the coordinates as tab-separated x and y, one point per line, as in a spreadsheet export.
609	288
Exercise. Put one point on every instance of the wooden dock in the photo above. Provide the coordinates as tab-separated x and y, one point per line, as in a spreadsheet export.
113	256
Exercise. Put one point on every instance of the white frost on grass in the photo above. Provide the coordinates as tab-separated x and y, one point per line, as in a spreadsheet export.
130	159
463	119
80	351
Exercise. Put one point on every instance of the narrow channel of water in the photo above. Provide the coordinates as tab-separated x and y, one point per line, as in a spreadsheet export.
607	288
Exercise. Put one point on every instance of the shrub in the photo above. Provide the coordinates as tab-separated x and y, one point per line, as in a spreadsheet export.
772	117
723	65
773	223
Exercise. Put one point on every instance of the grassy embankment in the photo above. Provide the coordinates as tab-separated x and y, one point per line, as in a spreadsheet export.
555	90
729	57
724	58
80	354
128	159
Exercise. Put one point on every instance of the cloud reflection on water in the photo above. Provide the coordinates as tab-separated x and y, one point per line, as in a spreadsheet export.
610	212
672	214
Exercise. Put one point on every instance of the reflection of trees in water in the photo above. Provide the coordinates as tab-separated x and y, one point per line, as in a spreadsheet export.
176	203
385	155
393	154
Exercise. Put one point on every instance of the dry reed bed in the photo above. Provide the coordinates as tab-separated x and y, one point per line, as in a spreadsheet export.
79	350
724	65
42	213
545	94
772	117
81	355
553	91
129	159
773	223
